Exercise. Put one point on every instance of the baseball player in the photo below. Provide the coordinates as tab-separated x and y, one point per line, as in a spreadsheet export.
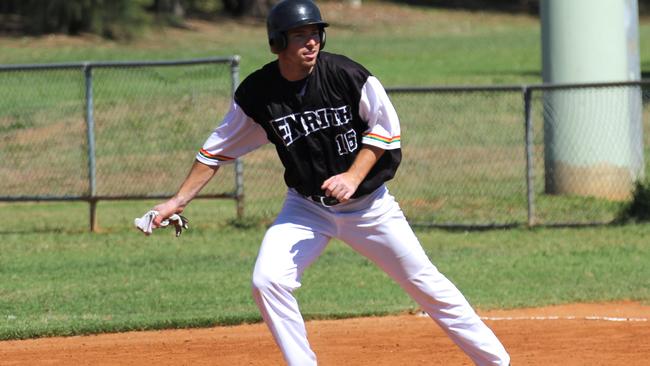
338	137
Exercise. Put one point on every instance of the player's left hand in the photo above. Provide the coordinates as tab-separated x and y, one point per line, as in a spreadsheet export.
341	186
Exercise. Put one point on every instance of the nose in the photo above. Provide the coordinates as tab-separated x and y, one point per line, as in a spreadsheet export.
313	40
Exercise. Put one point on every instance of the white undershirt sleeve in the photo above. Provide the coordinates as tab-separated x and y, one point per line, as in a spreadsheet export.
377	110
237	135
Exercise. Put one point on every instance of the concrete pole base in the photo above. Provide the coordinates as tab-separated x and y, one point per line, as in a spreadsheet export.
601	180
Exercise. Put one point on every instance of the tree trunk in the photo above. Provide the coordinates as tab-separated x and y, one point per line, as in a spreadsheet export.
169	7
252	8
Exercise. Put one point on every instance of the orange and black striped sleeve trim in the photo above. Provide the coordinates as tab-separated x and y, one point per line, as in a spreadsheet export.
214	157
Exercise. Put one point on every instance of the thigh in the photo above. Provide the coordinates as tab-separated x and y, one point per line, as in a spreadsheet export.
386	238
291	244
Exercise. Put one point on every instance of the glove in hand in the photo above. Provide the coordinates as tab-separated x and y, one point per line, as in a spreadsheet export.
180	223
145	223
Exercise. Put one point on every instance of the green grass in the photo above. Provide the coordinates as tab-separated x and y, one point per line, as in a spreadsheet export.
58	279
68	281
402	45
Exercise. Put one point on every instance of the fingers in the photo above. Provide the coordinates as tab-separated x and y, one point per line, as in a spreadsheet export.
165	211
340	186
157	221
337	189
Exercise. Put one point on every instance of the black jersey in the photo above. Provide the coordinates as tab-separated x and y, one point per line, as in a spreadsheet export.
318	124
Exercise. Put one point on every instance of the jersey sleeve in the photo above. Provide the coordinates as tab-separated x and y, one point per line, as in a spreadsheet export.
237	135
377	110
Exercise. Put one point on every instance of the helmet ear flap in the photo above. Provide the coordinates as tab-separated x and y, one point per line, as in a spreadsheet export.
278	41
323	37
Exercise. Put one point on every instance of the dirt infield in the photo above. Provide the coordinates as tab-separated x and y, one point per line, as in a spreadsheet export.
581	334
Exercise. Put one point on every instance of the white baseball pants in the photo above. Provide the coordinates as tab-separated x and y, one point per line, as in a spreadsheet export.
374	226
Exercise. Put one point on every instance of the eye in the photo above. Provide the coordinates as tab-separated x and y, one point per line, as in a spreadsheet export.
297	36
304	35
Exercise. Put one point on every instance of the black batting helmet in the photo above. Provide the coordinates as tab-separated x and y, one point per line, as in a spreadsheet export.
289	14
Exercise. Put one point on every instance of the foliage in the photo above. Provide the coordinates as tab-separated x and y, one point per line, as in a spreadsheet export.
116	19
113	19
526	6
530	6
168	11
121	19
638	209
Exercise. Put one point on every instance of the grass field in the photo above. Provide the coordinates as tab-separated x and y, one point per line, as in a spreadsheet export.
59	279
401	45
55	278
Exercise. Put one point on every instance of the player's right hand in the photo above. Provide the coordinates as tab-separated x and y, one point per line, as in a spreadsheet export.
165	210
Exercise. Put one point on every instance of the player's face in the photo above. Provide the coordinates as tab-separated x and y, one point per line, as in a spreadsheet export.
303	44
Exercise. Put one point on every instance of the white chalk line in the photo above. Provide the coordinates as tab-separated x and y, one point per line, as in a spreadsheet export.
554	317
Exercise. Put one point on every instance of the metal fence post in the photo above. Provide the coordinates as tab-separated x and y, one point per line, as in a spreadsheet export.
239	164
90	126
530	187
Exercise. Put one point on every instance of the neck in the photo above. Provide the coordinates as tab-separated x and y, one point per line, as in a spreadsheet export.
292	72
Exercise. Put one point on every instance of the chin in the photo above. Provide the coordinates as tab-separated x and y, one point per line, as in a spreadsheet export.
309	64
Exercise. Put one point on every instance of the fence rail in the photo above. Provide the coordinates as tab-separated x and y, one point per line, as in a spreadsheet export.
474	156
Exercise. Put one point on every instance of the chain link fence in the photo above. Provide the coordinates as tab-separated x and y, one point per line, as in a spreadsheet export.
463	164
587	150
472	156
480	157
112	130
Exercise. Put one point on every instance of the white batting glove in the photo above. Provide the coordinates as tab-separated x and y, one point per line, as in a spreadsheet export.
145	223
179	221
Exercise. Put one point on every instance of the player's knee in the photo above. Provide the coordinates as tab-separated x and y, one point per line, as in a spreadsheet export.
273	281
261	282
265	282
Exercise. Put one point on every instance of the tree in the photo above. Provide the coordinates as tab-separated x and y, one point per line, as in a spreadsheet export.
254	8
169	11
109	18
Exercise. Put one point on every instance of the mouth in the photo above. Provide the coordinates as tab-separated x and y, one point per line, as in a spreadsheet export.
310	55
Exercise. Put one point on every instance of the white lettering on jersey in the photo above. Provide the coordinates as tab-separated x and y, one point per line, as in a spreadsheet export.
292	127
346	142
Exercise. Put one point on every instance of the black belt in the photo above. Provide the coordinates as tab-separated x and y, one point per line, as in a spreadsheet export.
326	201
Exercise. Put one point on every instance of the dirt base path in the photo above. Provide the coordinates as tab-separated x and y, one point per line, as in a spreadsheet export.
582	334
